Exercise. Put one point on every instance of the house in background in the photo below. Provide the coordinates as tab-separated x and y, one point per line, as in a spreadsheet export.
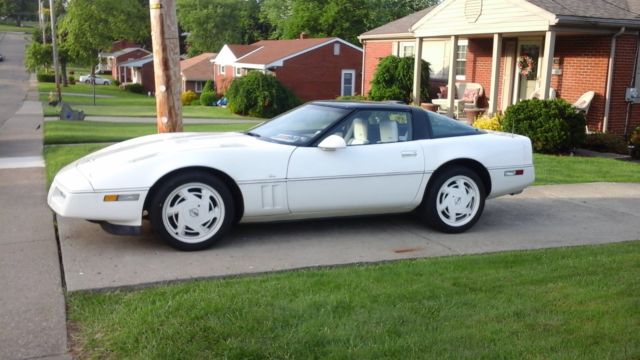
104	64
117	58
568	48
141	71
313	68
196	71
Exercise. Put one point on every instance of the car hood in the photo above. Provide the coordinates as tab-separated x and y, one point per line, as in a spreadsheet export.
136	152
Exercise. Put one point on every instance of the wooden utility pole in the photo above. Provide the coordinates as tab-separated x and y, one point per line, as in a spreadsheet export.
166	64
55	50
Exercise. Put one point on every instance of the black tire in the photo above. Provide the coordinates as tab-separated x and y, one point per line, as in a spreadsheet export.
196	200
455	188
106	83
87	82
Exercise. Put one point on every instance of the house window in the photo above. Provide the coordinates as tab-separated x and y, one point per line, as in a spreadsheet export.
222	69
348	83
336	49
461	59
238	72
198	86
408	50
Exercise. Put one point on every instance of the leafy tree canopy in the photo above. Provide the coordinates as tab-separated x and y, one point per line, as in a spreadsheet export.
90	26
213	23
18	9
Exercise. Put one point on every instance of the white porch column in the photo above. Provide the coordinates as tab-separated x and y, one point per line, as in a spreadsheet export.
547	63
495	73
451	93
417	71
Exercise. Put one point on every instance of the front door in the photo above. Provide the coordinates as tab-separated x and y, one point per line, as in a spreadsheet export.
528	67
380	169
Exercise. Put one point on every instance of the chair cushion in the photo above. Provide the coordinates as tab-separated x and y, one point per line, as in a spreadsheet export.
470	95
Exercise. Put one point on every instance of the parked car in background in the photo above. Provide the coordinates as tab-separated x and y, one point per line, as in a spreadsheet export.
322	159
88	79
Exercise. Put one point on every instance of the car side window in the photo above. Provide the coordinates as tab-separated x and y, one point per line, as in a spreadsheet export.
442	126
375	127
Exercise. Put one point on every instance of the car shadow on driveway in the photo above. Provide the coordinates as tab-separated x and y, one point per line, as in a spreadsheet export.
94	259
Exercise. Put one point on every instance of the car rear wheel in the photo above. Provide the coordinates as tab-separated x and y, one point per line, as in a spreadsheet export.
454	200
192	211
87	82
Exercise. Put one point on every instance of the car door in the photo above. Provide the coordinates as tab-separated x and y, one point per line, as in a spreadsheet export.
379	169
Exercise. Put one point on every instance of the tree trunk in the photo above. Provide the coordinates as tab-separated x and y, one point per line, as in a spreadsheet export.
63	66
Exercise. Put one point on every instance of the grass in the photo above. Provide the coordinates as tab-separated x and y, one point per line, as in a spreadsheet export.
69	132
57	157
11	27
574	303
552	169
119	102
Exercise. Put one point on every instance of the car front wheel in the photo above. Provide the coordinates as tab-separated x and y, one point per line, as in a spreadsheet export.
454	200
192	211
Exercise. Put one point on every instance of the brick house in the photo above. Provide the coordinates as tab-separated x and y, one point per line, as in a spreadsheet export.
575	47
196	71
117	58
141	72
313	68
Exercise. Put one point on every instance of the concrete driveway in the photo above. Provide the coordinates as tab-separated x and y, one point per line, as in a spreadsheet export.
541	217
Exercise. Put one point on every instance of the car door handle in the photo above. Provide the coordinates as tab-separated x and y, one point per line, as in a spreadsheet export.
408	153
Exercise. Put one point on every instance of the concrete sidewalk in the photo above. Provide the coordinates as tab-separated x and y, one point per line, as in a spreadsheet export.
541	217
32	305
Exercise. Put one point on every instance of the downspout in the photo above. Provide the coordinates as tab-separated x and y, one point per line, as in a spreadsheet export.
631	84
612	57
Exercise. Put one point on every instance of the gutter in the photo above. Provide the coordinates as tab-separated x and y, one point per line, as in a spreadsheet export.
612	57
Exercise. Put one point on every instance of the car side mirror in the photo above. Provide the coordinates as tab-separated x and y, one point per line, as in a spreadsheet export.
332	142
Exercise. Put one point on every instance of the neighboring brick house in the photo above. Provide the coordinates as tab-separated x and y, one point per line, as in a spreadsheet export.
141	72
117	58
576	46
196	71
320	68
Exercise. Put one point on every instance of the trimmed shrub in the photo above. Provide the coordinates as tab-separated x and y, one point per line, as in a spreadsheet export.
552	125
393	80
188	97
208	87
72	80
634	141
260	95
46	77
605	142
135	88
208	98
489	123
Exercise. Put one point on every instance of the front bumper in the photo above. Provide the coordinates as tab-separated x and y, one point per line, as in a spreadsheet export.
90	205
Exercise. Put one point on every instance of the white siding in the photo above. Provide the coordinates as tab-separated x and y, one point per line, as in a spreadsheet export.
497	16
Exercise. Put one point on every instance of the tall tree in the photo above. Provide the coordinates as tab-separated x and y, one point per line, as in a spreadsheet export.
213	23
90	26
18	9
342	18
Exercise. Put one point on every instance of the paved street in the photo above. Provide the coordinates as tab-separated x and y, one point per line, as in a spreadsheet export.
541	217
32	307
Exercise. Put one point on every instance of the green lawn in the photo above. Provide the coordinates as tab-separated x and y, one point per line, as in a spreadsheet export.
552	169
70	132
568	303
11	27
117	102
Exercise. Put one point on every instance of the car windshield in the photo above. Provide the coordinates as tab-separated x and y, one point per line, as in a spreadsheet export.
299	126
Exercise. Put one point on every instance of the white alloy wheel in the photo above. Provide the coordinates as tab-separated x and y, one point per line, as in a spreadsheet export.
193	212
454	199
458	201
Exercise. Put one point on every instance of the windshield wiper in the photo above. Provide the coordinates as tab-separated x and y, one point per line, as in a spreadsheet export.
251	133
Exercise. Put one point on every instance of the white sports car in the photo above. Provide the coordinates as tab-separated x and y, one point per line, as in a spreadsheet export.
322	159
